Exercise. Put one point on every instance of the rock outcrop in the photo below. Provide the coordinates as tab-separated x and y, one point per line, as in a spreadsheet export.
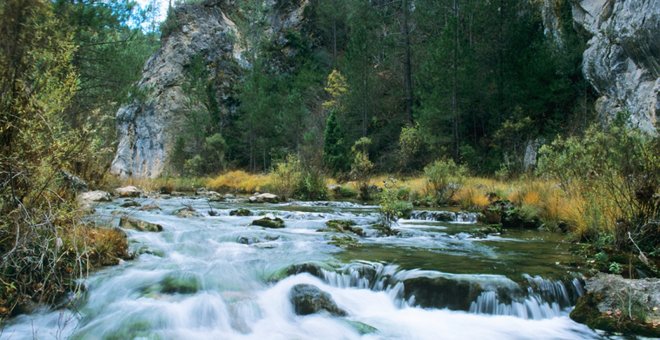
204	32
622	59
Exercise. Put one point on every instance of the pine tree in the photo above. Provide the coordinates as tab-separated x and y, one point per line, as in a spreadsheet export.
334	149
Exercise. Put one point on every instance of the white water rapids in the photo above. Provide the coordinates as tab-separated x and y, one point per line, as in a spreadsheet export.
195	280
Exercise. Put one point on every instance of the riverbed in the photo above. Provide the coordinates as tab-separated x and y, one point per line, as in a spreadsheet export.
216	276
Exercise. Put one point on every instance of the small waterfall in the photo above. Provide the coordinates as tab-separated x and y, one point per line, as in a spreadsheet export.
545	299
537	298
445	216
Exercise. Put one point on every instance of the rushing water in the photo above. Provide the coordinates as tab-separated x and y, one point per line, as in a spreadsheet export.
218	277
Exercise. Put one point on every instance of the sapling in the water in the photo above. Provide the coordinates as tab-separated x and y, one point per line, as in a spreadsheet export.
391	208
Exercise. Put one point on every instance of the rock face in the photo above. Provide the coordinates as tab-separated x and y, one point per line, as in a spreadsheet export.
622	59
613	303
200	31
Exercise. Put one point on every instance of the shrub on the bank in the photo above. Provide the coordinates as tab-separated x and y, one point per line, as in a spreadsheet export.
615	173
444	178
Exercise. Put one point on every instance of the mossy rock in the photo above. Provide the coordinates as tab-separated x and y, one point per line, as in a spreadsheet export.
267	222
586	312
180	284
483	232
342	226
240	212
344	241
385	230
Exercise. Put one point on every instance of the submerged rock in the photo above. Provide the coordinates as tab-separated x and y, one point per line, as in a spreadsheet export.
186	212
267	222
344	241
149	207
264	198
128	191
615	304
309	299
139	225
240	212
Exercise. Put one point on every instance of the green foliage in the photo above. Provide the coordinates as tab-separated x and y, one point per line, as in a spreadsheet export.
362	166
287	175
391	207
291	179
444	178
411	146
44	246
616	170
334	150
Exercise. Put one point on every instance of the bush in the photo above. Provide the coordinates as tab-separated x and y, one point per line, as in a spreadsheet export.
615	172
291	178
286	176
444	178
362	166
391	208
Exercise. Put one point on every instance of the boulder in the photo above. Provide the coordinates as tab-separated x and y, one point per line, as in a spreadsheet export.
264	198
309	299
128	191
615	304
129	204
240	212
139	225
74	182
186	212
89	197
267	222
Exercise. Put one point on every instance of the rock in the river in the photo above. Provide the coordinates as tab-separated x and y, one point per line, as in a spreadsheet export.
129	204
89	197
309	299
611	300
442	292
267	222
139	225
264	198
240	212
149	207
186	212
128	191
343	226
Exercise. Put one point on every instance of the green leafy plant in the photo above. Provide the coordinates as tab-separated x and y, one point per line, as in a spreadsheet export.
444	178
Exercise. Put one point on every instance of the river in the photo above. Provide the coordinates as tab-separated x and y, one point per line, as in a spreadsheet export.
218	277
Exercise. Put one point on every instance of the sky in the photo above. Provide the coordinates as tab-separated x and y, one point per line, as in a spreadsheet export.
161	4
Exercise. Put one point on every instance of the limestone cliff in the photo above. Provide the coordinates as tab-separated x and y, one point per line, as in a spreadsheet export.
622	59
147	125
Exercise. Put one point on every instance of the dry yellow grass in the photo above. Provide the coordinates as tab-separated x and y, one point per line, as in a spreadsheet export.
240	181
